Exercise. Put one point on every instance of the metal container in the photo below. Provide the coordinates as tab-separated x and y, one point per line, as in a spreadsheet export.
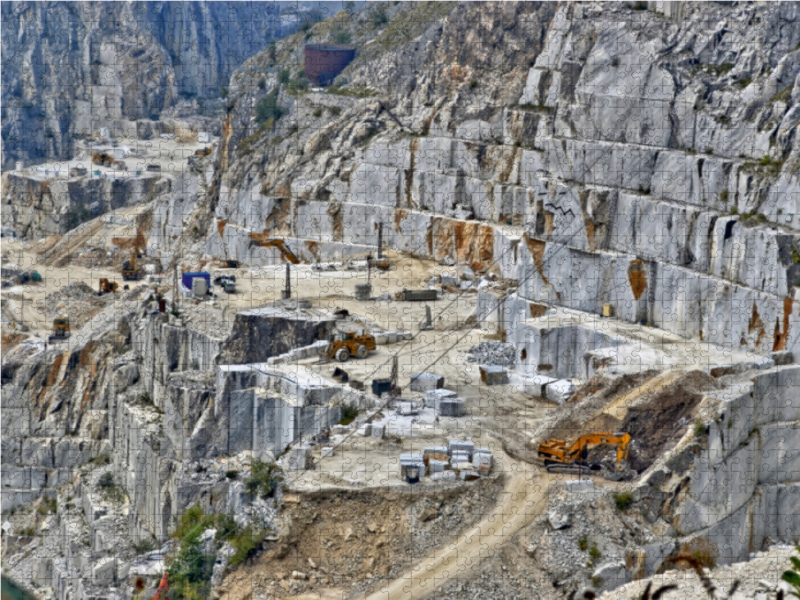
418	295
381	386
323	62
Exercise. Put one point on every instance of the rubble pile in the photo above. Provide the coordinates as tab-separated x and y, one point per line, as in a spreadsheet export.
78	301
493	353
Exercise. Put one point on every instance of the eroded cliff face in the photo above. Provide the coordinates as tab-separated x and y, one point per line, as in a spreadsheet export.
70	68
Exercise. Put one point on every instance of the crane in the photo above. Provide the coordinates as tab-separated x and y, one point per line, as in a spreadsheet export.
559	456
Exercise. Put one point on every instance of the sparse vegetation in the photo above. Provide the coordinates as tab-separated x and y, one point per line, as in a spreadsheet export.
536	108
356	91
792	575
699	428
335	111
232	474
109	489
317	112
594	553
784	95
583	544
342	36
268	108
349	414
263	480
379	17
743	83
145	545
623	500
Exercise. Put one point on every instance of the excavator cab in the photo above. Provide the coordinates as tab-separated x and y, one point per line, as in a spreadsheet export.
130	272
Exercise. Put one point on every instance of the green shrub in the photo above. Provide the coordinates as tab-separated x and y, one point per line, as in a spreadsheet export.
792	576
349	414
144	545
473	84
623	500
583	544
245	543
699	428
594	553
342	36
284	75
264	478
379	17
335	110
231	474
318	112
268	108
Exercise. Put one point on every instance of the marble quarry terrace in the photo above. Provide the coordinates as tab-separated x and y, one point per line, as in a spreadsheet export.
398	300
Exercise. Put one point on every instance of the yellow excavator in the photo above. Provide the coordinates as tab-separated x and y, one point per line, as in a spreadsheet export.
560	458
107	286
275	243
130	272
60	329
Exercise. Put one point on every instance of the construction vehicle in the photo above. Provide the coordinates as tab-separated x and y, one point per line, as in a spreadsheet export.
347	344
227	283
560	458
102	159
36	277
163	586
203	152
60	329
107	286
280	245
130	272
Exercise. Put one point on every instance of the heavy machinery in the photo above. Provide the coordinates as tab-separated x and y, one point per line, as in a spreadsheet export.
284	249
347	344
203	151
102	159
130	272
227	283
107	286
560	458
60	329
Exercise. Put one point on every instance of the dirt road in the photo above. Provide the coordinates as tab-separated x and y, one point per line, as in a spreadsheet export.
522	499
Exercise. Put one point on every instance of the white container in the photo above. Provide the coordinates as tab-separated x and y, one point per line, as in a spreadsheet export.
202	137
199	287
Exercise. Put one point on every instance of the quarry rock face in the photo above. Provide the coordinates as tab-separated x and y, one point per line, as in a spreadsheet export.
118	61
605	159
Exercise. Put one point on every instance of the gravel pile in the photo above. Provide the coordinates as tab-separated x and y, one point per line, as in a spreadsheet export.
493	353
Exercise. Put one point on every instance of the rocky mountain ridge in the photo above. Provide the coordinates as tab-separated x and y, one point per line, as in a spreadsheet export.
69	66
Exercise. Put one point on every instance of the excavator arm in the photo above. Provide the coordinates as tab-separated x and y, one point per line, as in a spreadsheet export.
557	451
257	240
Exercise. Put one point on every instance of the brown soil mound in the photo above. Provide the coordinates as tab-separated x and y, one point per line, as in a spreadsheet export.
658	423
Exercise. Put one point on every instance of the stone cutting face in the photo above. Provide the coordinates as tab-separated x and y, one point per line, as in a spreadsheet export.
561	240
